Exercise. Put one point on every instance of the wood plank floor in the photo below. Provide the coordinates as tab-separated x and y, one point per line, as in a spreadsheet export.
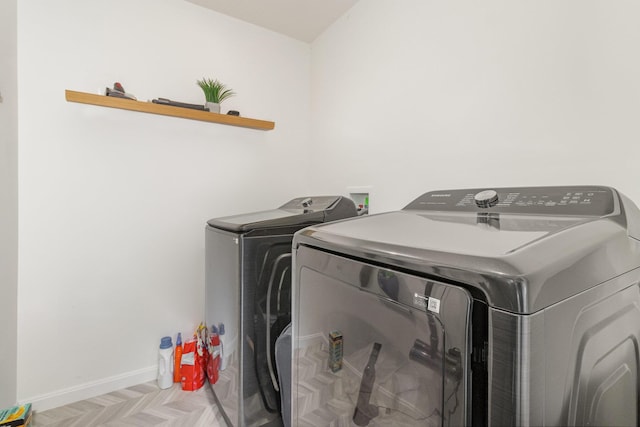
142	405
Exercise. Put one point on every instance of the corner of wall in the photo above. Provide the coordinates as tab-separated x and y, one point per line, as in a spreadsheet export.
8	203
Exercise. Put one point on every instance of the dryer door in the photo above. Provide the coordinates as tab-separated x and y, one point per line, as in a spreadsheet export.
373	346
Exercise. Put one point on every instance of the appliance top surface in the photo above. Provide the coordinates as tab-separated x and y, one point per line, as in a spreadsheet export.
524	247
455	233
296	212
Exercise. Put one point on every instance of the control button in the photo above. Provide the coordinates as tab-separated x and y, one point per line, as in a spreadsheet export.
486	198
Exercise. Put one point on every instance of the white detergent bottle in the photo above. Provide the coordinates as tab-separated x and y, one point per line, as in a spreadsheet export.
165	363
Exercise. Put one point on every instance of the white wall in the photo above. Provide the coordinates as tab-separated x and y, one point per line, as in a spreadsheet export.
411	96
8	203
113	203
407	97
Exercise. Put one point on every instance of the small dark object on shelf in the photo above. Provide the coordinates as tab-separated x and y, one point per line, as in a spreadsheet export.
233	113
165	101
119	92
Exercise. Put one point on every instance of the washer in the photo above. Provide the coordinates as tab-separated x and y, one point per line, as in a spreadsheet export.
483	307
248	289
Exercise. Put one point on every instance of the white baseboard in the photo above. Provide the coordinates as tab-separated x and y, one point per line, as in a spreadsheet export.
91	389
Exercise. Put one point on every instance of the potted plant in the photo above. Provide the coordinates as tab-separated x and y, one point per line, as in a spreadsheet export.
214	92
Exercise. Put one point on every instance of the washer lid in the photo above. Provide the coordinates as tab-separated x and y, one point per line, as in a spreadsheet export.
521	260
460	234
301	211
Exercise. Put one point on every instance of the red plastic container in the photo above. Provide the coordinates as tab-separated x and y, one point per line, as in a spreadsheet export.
192	367
213	361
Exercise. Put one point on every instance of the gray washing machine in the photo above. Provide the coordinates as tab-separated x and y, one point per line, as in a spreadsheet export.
505	307
248	289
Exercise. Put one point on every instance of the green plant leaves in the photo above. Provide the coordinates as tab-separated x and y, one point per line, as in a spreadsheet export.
214	91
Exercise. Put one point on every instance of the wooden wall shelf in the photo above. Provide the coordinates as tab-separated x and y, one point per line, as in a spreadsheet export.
167	110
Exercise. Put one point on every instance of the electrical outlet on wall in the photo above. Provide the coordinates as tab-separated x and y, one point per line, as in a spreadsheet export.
361	196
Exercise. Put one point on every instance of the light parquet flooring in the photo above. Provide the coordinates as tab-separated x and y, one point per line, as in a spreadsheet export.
141	405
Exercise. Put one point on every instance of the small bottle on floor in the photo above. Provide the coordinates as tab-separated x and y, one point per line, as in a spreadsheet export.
177	357
165	363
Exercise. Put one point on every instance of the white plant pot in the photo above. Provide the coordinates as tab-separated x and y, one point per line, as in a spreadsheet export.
214	107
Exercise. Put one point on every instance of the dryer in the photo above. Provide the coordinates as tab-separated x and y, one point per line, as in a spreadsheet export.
248	290
508	306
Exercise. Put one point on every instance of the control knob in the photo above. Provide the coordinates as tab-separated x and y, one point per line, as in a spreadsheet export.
486	198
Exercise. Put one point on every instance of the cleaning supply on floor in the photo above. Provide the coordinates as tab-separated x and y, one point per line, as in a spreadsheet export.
204	342
177	356
16	416
224	359
191	369
165	363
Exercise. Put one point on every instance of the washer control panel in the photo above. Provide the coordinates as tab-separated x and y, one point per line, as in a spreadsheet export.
574	200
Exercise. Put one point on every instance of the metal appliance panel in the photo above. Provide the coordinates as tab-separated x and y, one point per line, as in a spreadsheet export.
418	330
592	370
516	369
222	291
573	364
222	305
